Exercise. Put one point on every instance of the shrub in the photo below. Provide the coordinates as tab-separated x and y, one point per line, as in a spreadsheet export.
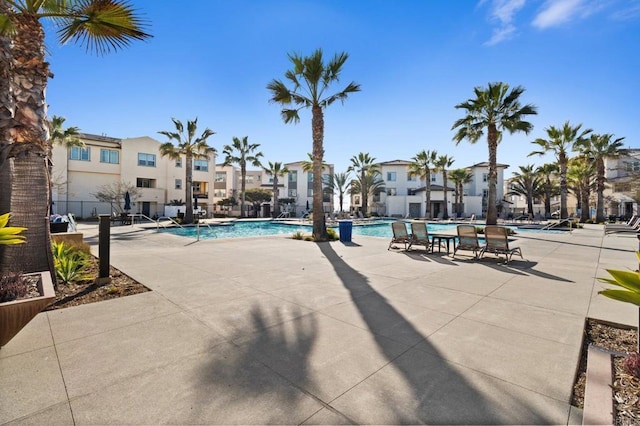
631	364
12	286
297	235
332	234
70	261
308	238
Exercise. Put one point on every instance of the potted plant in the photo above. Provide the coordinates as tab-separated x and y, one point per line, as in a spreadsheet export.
22	296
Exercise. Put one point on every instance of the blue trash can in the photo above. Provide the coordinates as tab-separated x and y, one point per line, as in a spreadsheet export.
345	227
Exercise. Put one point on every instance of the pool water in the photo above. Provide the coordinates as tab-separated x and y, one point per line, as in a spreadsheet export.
243	229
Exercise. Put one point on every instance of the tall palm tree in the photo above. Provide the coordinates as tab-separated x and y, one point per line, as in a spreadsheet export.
560	141
597	148
58	135
242	152
363	164
307	166
495	109
421	166
580	179
371	183
545	173
311	78
442	164
526	183
192	148
460	177
102	26
339	182
277	170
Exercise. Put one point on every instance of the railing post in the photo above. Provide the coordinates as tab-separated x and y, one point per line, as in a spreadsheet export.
104	244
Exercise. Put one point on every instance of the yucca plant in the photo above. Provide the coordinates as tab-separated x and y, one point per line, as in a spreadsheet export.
10	234
70	262
630	292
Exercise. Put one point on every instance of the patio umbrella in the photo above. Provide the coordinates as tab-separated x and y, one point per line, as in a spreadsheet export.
127	201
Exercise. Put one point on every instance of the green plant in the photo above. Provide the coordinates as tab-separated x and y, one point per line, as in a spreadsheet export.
308	238
10	234
297	235
630	283
12	286
332	235
70	262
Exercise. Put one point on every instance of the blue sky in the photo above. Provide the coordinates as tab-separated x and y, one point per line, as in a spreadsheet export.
415	60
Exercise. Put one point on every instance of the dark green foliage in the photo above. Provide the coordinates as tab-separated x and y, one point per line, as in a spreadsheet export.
12	286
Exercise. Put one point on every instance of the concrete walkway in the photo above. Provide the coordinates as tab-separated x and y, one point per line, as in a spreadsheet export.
280	331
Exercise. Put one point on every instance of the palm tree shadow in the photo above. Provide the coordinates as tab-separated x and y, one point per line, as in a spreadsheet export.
439	394
240	377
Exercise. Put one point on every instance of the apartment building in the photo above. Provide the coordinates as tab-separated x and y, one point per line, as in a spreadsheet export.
405	195
623	184
79	172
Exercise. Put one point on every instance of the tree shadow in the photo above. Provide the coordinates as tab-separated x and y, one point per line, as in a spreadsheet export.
439	394
238	378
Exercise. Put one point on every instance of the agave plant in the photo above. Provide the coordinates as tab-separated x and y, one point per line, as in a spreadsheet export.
10	234
630	292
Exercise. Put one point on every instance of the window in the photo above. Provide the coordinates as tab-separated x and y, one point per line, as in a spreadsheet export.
178	162
220	193
80	153
485	193
293	193
310	177
356	199
391	191
109	156
148	160
221	176
178	183
485	177
197	186
632	166
309	192
293	176
411	178
433	177
145	183
391	176
201	165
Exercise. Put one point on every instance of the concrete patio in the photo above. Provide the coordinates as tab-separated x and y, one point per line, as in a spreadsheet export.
279	331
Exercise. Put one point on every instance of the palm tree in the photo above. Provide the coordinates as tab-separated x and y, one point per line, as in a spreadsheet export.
421	166
58	135
460	177
442	164
497	109
277	170
310	79
371	183
527	183
242	152
545	173
100	25
580	179
307	165
597	148
192	149
559	141
339	182
362	165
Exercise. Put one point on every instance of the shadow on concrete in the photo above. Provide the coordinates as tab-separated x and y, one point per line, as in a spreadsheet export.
518	267
241	375
439	394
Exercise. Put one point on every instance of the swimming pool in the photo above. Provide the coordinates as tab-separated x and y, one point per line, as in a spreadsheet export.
253	228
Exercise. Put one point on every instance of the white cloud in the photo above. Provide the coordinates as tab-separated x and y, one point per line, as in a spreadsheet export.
557	12
629	13
503	13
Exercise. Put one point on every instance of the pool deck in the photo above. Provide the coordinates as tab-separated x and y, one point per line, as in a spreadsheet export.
272	330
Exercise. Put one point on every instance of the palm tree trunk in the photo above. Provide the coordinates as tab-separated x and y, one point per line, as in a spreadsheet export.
243	185
492	211
29	183
363	191
445	210
7	111
317	129
547	199
599	190
427	191
188	190
275	195
562	160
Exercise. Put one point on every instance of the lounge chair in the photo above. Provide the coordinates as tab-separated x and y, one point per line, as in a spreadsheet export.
497	242
632	226
467	240
400	235
420	236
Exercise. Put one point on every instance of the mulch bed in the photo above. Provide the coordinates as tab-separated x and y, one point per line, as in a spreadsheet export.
87	291
626	388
